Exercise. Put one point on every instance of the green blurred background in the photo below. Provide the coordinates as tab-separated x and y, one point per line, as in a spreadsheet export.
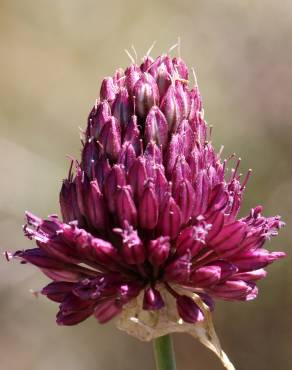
53	55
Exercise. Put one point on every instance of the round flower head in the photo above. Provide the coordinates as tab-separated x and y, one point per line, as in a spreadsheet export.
150	215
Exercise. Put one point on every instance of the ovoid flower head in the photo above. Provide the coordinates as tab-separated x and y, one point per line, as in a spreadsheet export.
150	210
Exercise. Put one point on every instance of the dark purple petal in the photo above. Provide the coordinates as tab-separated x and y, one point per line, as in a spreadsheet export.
188	310
254	260
169	218
234	290
152	299
125	206
156	127
158	250
105	311
57	290
148	208
146	94
206	276
108	90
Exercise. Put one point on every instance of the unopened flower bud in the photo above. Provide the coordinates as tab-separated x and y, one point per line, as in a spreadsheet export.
108	90
125	206
121	108
110	138
132	249
158	250
169	218
99	115
172	108
156	127
148	208
146	94
152	299
188	310
115	179
106	310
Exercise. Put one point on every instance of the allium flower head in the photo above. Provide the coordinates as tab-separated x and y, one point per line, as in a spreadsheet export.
150	213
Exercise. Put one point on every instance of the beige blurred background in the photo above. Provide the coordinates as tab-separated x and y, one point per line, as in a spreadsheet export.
53	55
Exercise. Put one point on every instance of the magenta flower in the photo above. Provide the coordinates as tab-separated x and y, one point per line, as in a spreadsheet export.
150	210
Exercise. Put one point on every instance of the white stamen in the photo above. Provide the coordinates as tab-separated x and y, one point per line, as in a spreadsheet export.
130	56
150	49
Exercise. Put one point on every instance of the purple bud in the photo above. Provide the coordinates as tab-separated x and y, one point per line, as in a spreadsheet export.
152	299
234	290
53	268
188	310
68	202
183	98
95	206
158	250
99	115
73	311
228	241
132	133
103	252
133	74
127	156
218	199
175	149
206	276
188	138
161	184
148	208
181	68
57	290
196	103
188	241
82	185
250	275
105	311
202	192
169	218
179	270
163	79
128	291
172	108
137	177
162	62
91	154
181	171
156	127
147	63
133	251
108	90
110	138
125	206
166	62
90	248
121	108
146	94
101	170
115	179
254	260
227	269
184	197
153	158
119	77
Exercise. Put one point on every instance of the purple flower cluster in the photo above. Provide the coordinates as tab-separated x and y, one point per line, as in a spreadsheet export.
150	206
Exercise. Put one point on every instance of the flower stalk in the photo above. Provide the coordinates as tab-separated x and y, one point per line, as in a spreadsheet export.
164	353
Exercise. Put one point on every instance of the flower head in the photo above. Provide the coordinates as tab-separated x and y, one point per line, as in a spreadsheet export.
150	210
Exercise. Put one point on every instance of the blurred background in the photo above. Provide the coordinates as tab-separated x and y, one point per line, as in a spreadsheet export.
53	55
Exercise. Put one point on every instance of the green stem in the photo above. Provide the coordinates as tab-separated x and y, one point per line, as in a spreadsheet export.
164	353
